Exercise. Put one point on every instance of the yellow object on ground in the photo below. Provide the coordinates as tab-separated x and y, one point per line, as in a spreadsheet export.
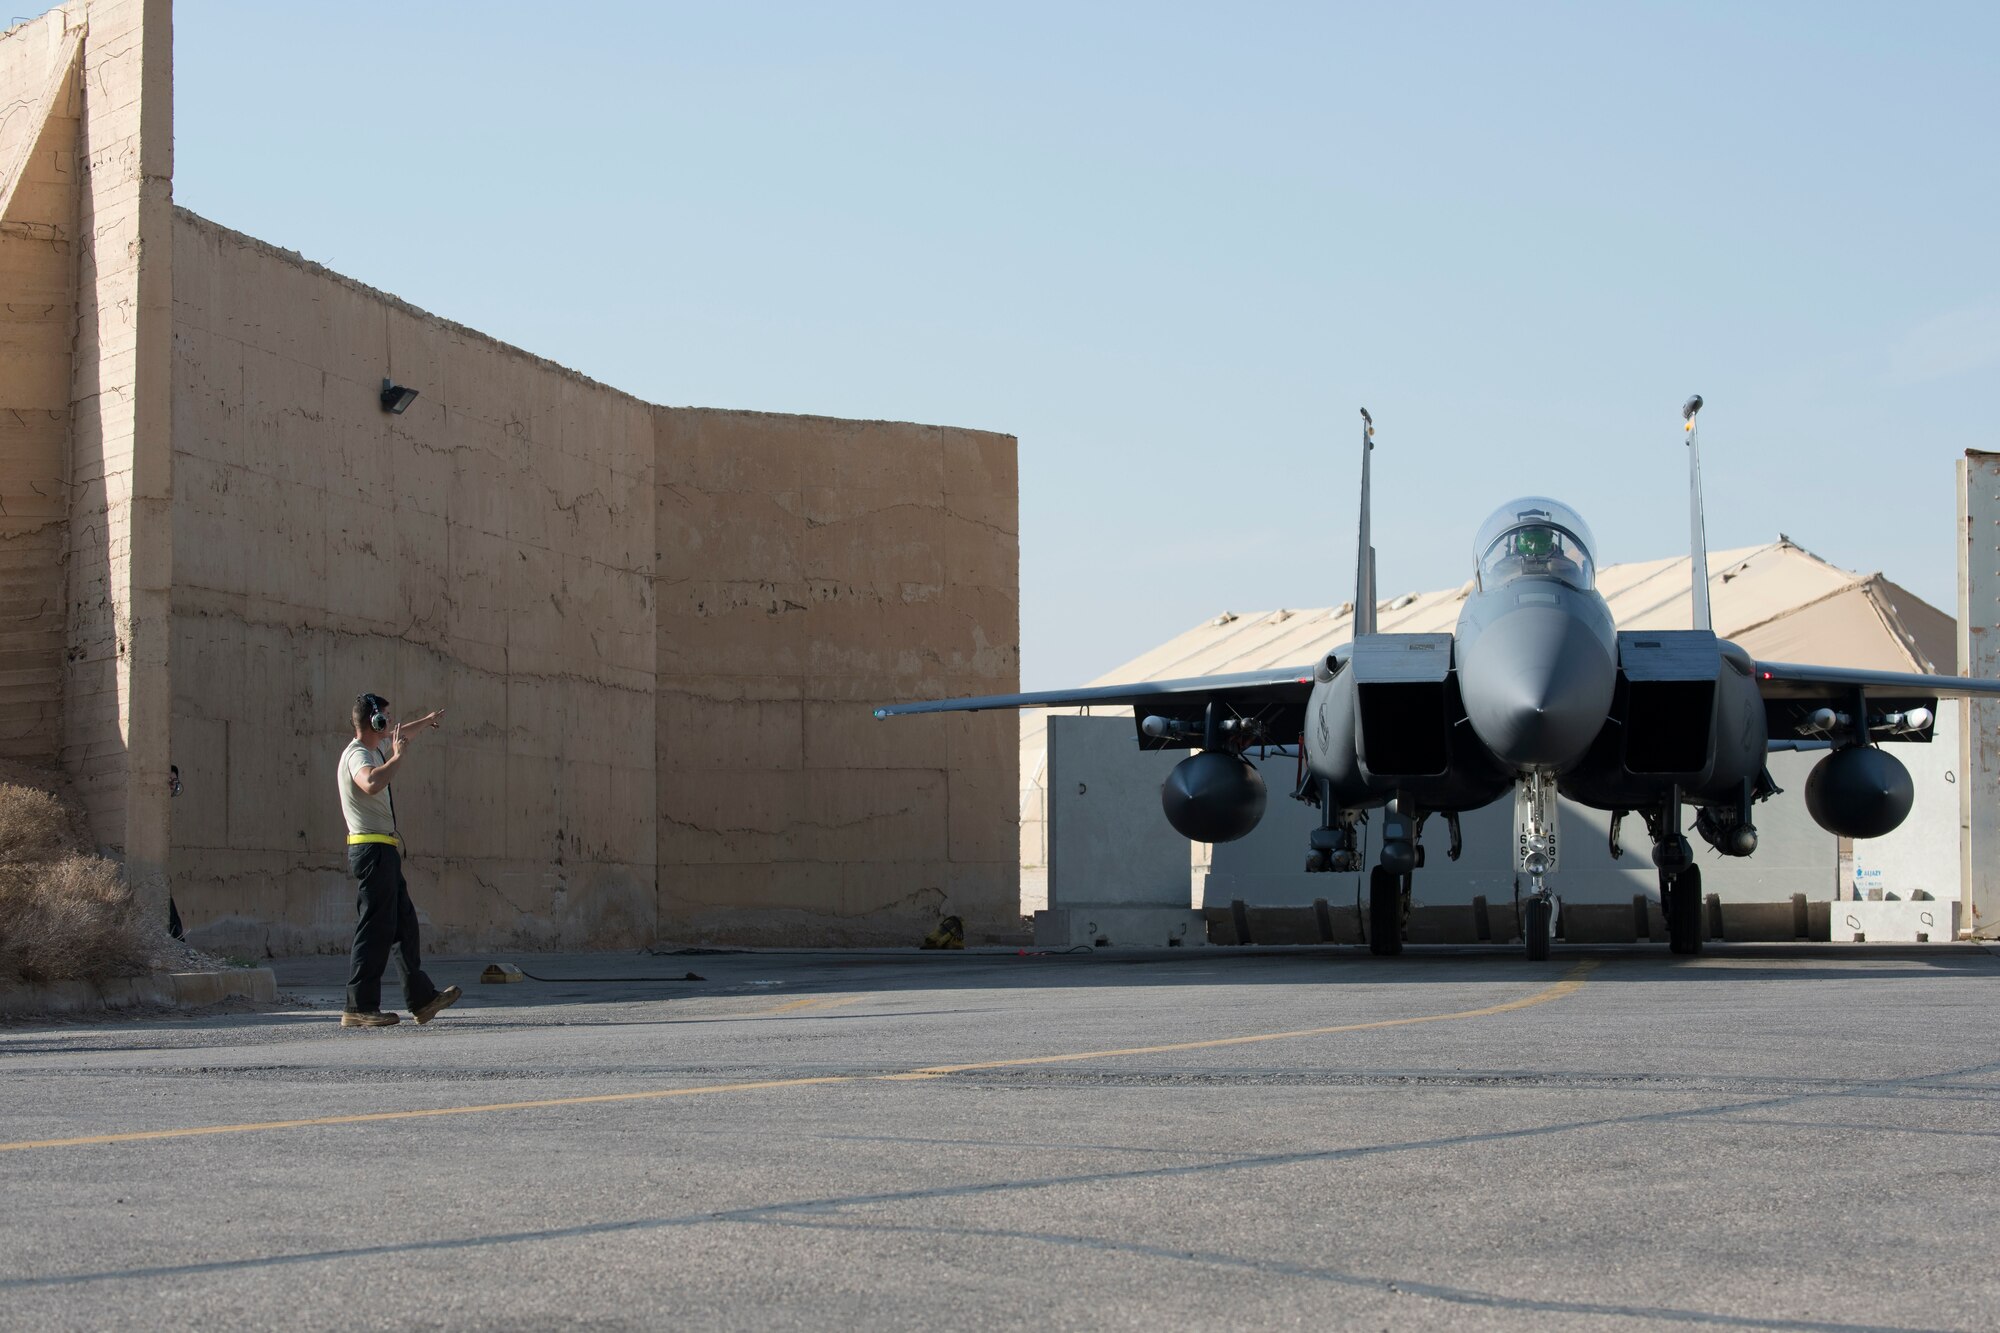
950	934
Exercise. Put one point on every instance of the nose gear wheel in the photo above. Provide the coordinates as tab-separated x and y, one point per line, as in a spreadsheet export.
1538	921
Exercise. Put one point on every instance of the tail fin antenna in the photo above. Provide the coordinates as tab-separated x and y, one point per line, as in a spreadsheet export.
1364	559
1698	534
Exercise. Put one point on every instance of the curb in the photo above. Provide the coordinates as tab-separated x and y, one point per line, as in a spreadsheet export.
170	990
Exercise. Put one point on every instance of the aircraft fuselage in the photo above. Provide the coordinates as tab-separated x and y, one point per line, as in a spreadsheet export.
1537	667
1534	682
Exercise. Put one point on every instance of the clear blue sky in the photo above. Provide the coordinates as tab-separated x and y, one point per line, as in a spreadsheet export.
1172	249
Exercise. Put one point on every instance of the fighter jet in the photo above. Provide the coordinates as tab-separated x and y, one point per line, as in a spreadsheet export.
1538	692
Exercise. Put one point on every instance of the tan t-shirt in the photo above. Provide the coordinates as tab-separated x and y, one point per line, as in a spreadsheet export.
365	814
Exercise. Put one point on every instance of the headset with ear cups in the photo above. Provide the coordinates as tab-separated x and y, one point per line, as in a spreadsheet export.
377	706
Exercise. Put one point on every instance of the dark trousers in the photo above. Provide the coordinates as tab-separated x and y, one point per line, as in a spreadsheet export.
388	920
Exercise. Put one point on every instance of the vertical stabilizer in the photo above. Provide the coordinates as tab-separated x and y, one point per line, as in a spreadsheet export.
1364	558
1698	534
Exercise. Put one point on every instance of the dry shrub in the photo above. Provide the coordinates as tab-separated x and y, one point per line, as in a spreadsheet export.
64	915
71	920
33	826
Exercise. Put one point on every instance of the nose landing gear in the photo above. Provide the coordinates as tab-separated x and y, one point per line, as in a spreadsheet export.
1538	924
1535	846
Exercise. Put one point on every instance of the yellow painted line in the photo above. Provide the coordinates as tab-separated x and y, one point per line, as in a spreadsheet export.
650	1095
1568	986
822	1001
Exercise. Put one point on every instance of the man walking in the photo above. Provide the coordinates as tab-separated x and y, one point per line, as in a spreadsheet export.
375	856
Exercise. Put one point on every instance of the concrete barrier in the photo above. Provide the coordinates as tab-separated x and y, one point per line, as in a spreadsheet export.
1928	920
161	990
1454	924
1321	923
1338	925
1637	921
1284	925
1112	924
192	990
1597	923
1757	922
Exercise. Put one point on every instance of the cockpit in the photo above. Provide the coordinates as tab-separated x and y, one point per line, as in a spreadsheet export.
1535	537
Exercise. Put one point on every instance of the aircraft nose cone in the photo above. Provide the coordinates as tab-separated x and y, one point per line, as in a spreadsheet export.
1537	685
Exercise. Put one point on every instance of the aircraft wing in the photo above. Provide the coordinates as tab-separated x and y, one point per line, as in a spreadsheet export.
1790	680
1274	698
1273	682
1793	692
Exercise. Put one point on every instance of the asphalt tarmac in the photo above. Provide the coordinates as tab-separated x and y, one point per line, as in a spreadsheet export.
1763	1137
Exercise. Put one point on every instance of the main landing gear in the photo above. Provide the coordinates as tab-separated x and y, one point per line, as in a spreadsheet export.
1388	909
1680	877
1389	883
1337	846
1680	902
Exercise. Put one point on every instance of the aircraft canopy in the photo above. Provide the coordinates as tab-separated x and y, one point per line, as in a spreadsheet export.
1535	537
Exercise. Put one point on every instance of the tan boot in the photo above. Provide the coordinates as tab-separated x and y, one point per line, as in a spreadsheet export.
374	1019
443	1000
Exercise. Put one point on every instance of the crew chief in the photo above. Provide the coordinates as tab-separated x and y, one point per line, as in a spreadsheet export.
375	857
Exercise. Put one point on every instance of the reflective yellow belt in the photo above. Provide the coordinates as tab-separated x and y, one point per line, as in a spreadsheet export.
353	838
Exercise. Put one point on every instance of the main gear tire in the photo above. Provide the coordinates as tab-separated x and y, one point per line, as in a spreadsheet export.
1681	902
1385	912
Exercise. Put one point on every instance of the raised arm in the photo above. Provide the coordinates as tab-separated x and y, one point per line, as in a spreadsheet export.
374	779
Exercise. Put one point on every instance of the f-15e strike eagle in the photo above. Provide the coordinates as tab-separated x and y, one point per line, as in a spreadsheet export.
1537	691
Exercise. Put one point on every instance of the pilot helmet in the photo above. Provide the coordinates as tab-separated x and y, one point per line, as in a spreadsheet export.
1537	543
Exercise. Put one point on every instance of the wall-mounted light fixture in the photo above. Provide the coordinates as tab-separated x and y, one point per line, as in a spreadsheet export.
395	398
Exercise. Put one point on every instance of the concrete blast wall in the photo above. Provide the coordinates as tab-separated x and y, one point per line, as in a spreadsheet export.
809	568
657	631
86	142
38	234
489	551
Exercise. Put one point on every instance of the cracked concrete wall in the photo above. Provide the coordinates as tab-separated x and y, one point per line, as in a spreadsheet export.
86	145
658	631
489	552
810	568
41	114
120	575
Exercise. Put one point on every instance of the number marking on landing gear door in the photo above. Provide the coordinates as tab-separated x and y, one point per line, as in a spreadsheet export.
1536	831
